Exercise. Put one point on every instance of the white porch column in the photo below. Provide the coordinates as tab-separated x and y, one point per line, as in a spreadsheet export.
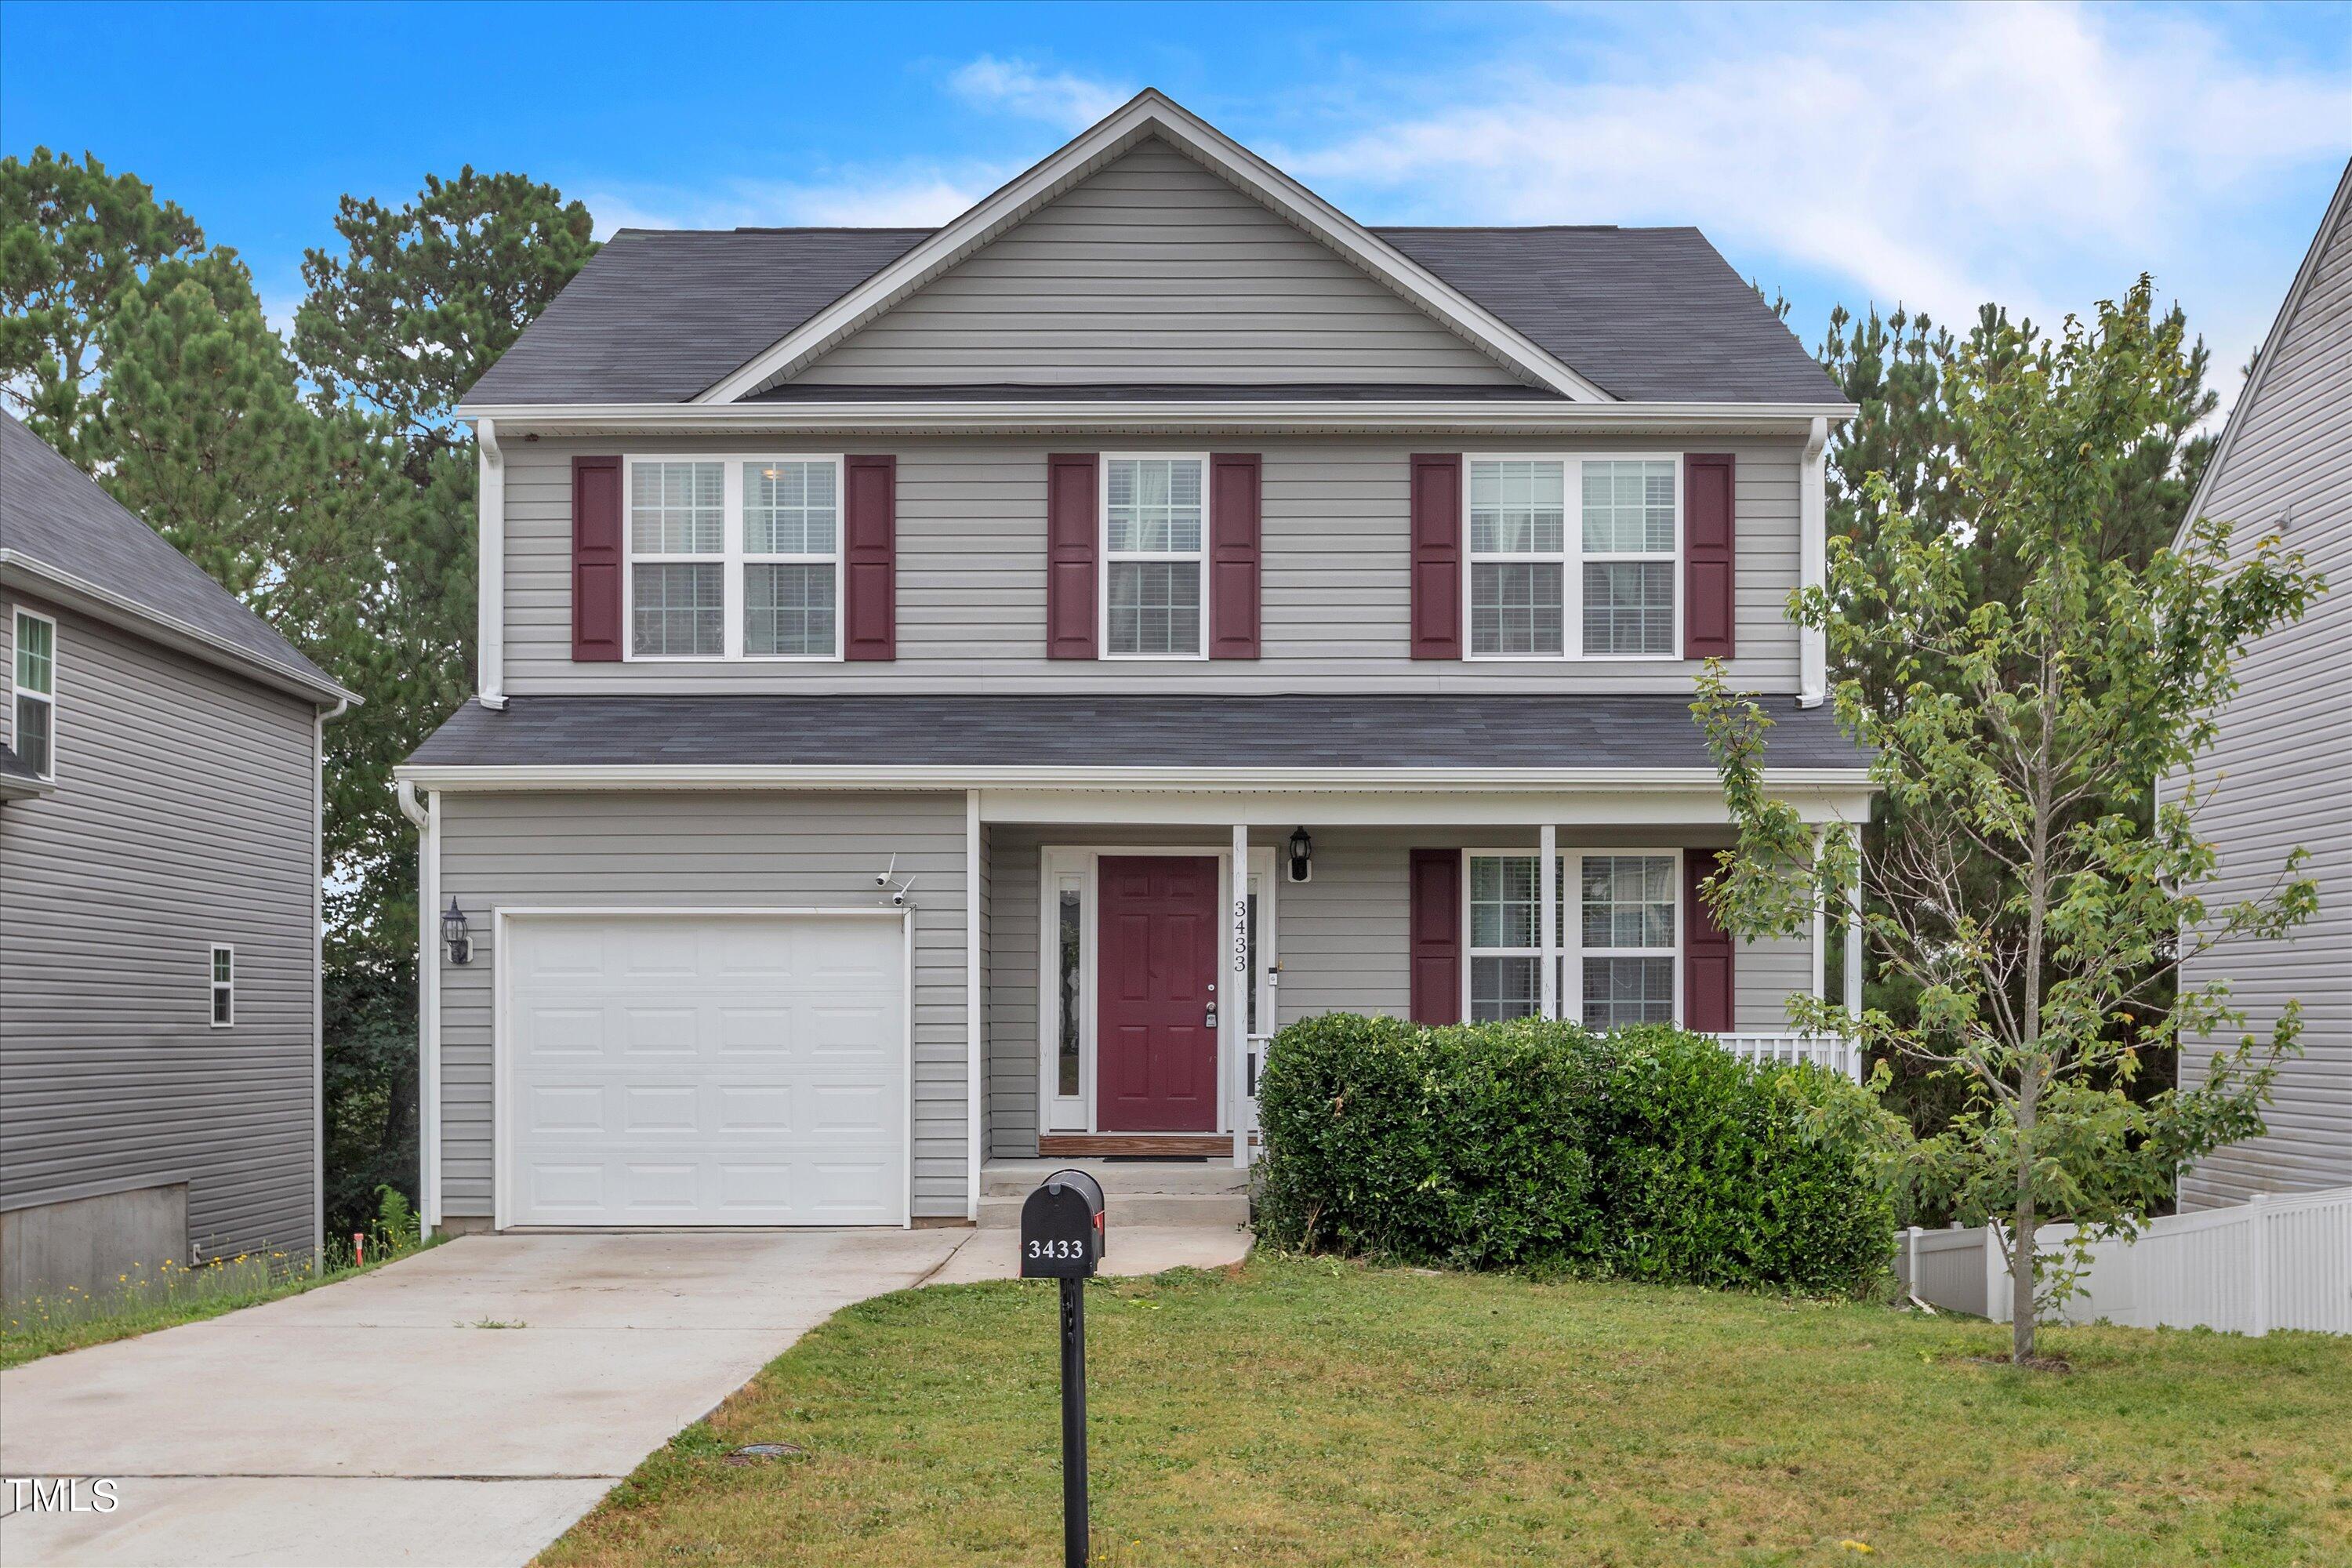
975	1027
1853	951
1820	927
1233	1005
1547	852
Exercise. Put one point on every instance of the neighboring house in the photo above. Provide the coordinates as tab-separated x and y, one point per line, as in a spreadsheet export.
159	900
1161	584
2281	774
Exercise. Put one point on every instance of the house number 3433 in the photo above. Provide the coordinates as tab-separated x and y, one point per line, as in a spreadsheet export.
1241	936
1057	1249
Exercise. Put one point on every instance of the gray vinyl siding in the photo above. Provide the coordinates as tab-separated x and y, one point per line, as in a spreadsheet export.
705	850
1154	270
184	816
1341	937
1335	596
2278	774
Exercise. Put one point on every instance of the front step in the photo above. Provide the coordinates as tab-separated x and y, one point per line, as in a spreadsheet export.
1135	1194
1137	1210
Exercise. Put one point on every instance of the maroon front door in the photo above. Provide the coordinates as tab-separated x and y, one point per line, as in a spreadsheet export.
1155	1043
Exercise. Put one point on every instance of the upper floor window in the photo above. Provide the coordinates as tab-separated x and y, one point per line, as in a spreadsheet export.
734	558
1604	588
1154	552
36	683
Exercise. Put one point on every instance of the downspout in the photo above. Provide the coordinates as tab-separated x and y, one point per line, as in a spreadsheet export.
1812	501
490	623
318	970
427	817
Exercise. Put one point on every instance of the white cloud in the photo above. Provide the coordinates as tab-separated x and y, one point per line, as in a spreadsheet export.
906	198
1016	87
1939	156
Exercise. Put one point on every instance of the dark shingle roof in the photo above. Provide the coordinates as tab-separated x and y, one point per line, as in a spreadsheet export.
657	316
13	768
56	516
1353	733
1651	314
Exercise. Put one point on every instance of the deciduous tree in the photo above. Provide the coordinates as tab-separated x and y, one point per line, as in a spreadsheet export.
2023	733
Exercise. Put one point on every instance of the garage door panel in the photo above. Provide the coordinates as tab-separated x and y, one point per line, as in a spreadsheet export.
742	1070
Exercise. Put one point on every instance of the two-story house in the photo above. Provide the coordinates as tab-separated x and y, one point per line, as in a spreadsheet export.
159	755
952	694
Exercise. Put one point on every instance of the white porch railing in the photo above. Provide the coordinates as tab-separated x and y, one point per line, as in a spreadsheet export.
1825	1051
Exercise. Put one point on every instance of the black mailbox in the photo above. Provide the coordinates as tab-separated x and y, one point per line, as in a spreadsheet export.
1061	1227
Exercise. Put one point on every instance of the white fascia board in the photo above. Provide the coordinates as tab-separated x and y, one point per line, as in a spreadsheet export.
1164	417
44	581
1149	113
1508	813
1482	780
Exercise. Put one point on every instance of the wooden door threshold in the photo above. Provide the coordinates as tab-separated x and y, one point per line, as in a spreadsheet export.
1079	1145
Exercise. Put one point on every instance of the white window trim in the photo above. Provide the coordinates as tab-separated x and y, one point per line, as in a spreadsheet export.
732	558
1569	952
215	985
1103	554
1571	557
49	697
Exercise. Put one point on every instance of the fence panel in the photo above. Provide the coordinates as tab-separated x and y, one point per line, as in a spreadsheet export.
2273	1263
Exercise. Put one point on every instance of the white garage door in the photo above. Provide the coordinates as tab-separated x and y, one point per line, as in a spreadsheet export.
703	1070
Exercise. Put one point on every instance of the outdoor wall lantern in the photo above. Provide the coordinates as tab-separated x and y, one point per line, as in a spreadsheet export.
1302	856
455	935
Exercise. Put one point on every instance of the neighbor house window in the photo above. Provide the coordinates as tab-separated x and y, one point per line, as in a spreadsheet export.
1604	588
1505	938
1154	534
1626	939
734	558
224	986
35	679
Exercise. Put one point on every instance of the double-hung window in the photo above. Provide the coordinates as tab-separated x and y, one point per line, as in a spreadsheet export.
224	977
734	558
1617	953
1574	558
35	684
1155	535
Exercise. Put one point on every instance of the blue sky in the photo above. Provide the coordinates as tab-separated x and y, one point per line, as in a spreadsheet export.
1928	154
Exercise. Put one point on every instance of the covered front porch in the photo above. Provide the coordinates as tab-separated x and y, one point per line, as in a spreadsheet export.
1131	979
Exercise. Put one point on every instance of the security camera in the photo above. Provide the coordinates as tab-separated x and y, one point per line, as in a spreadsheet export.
882	877
899	897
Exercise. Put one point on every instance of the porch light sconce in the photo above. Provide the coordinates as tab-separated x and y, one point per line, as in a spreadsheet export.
1302	857
455	935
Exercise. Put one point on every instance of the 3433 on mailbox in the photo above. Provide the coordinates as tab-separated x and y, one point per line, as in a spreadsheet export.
1061	1227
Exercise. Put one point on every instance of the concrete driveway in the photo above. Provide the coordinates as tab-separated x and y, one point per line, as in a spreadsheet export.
390	1420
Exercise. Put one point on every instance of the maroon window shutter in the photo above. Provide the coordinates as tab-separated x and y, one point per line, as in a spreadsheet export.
1436	936
595	560
1710	556
870	553
1070	555
1707	950
1232	554
1437	555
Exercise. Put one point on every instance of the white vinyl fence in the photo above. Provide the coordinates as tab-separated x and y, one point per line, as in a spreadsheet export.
2274	1263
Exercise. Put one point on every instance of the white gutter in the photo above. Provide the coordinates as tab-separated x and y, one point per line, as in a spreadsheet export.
427	817
552	775
490	627
45	581
955	415
1812	501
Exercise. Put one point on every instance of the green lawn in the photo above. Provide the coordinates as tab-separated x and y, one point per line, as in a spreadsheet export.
1314	1412
146	1299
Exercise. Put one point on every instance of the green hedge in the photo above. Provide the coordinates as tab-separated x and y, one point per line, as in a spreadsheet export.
1646	1153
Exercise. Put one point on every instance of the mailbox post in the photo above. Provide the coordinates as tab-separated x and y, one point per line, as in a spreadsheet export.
1062	1239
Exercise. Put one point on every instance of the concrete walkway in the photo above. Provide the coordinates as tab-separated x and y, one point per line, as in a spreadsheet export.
463	1407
